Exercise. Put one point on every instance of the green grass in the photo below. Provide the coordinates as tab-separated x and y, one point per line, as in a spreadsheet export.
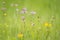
11	24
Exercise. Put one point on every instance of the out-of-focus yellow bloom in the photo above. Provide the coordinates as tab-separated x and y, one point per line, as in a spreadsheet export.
5	14
50	25
20	35
46	24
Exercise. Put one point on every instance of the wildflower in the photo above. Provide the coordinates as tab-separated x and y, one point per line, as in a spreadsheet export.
46	24
24	9
23	18
22	12
20	35
50	25
33	12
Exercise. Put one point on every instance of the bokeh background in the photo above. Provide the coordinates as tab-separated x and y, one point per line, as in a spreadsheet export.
29	19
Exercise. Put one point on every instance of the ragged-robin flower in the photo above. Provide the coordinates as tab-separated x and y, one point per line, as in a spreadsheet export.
24	9
23	12
33	12
23	18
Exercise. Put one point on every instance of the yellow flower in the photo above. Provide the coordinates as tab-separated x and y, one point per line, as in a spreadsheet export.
46	24
20	35
50	25
5	14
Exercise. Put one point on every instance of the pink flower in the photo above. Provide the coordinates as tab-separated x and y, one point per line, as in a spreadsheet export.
33	12
24	9
23	12
22	17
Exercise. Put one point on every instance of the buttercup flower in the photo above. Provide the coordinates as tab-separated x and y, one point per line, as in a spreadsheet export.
20	35
50	25
46	24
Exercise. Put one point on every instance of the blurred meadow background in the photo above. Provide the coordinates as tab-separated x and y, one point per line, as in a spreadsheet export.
29	19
